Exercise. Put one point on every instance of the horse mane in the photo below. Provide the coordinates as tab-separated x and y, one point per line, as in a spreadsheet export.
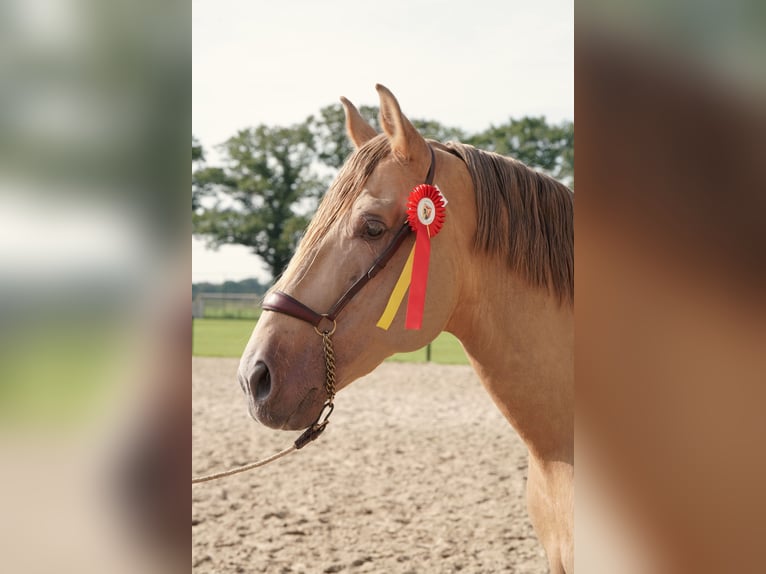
525	216
522	215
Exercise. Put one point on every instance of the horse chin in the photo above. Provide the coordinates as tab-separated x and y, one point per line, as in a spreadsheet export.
299	418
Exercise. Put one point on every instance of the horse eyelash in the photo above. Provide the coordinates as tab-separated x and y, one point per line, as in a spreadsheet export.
366	222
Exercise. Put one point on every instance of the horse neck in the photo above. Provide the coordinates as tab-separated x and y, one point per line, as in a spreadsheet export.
520	342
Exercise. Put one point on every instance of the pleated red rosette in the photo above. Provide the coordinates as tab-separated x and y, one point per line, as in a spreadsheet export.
425	214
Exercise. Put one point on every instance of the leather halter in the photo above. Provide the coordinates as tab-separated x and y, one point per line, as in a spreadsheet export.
281	302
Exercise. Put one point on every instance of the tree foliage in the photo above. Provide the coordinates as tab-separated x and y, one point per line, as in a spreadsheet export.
271	178
329	130
432	129
263	194
198	160
534	142
197	153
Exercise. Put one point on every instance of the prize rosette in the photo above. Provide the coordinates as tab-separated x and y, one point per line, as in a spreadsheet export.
425	210
425	214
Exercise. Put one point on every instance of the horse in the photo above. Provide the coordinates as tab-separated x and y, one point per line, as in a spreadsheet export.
500	278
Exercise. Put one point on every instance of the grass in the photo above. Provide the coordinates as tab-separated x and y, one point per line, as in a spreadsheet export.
221	337
445	349
228	338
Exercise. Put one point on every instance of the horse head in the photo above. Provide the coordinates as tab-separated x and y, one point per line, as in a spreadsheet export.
282	370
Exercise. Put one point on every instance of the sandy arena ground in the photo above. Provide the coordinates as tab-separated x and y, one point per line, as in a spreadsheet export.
417	472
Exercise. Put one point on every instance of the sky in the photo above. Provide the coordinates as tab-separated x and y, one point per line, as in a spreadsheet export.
465	64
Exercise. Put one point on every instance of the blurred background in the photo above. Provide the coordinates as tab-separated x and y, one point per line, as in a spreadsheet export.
670	314
94	330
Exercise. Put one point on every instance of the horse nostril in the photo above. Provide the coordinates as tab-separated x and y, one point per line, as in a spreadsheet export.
260	382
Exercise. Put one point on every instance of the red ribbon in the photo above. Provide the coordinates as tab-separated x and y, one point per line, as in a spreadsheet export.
425	214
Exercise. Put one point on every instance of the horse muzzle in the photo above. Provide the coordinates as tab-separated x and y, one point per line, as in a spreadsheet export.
274	405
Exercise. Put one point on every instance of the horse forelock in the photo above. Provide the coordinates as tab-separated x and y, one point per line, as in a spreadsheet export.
336	204
524	216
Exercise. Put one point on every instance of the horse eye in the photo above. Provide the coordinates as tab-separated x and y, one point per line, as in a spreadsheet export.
374	229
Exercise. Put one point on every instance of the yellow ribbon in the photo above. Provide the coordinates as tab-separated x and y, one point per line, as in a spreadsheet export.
397	295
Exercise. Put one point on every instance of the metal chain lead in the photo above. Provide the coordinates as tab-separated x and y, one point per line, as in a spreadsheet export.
313	432
329	363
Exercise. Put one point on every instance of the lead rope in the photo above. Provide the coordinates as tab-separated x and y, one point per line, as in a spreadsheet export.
310	434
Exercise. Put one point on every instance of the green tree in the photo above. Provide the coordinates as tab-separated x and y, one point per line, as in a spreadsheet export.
200	187
535	142
263	194
432	129
329	130
197	152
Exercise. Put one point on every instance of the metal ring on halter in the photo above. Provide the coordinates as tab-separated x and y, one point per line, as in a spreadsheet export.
331	331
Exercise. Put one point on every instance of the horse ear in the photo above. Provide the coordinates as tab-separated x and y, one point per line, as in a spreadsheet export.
359	131
406	143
